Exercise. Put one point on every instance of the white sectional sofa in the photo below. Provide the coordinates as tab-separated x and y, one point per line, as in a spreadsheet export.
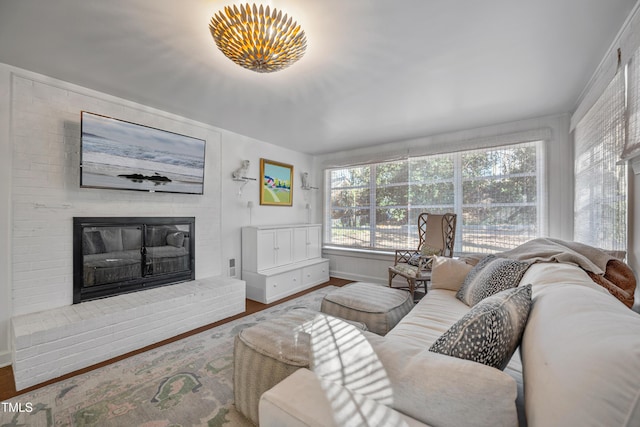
578	365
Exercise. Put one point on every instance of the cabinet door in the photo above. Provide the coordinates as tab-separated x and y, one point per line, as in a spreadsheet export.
284	246
314	241
300	244
266	249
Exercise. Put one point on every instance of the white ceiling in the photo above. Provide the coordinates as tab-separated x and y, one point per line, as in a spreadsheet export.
375	71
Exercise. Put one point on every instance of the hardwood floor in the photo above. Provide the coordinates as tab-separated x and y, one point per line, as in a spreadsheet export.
7	384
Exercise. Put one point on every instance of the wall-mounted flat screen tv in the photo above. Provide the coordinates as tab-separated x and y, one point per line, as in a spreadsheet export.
117	154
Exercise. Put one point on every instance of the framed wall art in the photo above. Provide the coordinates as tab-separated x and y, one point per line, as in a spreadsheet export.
276	183
117	154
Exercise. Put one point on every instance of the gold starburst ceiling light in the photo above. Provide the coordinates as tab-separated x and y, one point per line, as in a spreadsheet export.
262	39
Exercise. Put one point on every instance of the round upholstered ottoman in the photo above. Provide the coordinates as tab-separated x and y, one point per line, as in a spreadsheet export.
266	353
377	306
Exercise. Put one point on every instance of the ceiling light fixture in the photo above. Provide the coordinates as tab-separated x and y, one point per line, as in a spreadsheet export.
258	38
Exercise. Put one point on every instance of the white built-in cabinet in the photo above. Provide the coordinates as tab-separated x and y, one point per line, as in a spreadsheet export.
280	260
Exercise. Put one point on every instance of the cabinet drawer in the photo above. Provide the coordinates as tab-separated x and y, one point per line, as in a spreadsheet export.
315	274
280	285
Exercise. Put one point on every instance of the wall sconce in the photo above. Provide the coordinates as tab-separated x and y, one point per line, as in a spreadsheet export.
239	175
305	182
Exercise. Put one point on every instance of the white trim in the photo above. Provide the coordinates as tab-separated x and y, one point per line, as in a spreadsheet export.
635	165
357	277
358	253
6	216
5	358
433	145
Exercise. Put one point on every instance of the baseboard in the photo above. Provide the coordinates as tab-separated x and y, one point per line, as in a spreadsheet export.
5	359
356	277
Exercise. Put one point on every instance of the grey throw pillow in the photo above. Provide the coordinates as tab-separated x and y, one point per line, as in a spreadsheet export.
175	239
92	243
491	275
491	331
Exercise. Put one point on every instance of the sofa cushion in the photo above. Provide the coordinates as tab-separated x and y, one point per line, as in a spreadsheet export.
430	318
448	273
304	400
440	390
491	275
430	387
491	331
580	353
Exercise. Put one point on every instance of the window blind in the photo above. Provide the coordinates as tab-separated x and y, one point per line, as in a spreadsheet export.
632	143
600	205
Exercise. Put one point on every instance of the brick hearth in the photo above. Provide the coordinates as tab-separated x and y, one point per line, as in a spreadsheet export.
51	343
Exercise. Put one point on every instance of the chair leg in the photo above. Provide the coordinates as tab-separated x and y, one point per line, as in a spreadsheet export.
412	285
391	276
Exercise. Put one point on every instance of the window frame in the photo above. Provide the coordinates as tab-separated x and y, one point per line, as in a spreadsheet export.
457	206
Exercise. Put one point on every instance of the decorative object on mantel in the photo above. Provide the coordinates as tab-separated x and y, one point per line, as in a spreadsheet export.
260	39
276	186
305	182
240	175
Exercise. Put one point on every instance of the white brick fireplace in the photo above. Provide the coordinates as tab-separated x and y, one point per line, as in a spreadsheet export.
45	139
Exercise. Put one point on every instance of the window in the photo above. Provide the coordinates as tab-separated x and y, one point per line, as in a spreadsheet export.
496	193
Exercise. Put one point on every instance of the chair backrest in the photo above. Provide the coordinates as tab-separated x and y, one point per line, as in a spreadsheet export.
438	231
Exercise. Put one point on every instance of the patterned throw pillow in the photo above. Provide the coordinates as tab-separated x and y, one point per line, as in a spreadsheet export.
414	260
430	251
491	275
491	331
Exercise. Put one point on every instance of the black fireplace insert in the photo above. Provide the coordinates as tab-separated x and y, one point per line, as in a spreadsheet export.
116	255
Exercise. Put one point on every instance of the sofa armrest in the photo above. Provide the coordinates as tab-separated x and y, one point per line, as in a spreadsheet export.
446	391
302	399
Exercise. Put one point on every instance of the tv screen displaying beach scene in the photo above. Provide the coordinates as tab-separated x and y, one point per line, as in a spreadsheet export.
117	154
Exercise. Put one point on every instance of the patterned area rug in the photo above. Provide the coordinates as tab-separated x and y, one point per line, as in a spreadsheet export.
185	383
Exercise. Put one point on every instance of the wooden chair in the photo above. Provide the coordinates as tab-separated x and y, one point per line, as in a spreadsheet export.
437	236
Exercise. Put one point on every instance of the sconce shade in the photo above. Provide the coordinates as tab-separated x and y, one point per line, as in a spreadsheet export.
258	38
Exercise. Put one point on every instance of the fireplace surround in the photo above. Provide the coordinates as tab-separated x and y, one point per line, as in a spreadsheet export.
117	255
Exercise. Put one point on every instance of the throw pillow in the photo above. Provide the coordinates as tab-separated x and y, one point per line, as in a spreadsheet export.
448	273
175	239
491	331
92	243
112	238
414	260
427	250
491	275
131	238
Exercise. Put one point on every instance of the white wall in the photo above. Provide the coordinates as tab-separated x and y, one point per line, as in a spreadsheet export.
236	214
559	155
5	216
39	187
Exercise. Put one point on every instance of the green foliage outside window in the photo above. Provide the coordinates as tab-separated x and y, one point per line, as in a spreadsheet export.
495	193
